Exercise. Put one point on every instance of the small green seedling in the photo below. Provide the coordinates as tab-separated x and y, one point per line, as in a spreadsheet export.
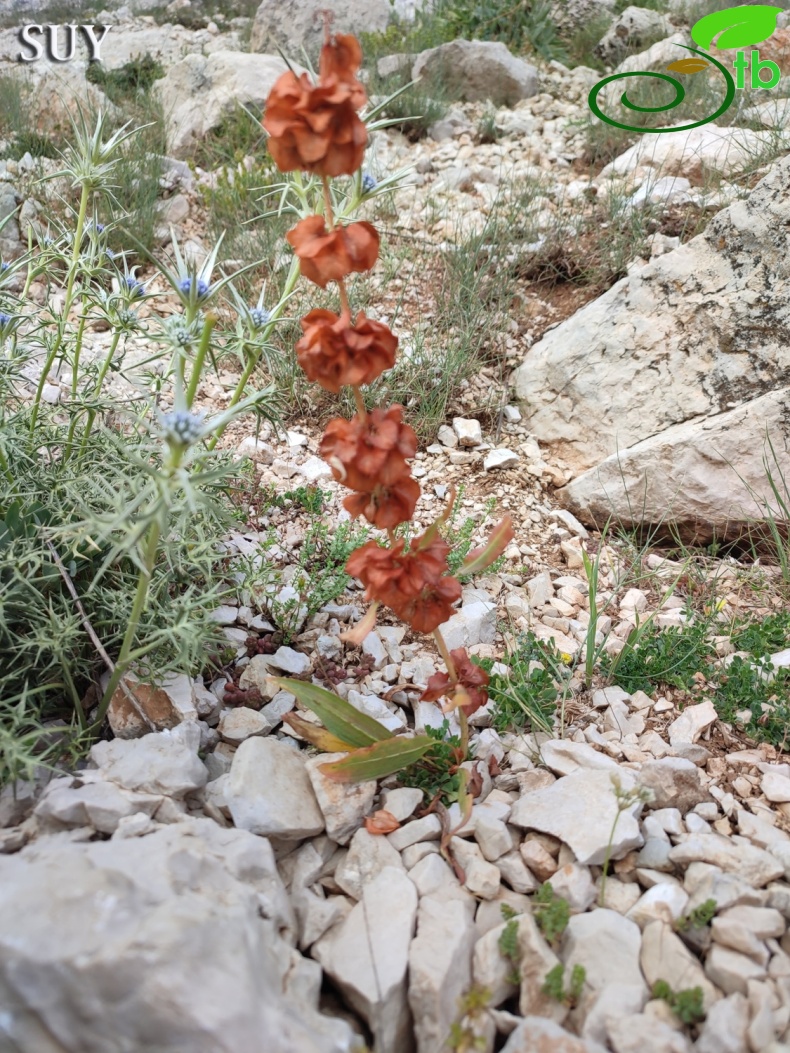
551	912
509	948
686	1005
554	984
697	918
464	1034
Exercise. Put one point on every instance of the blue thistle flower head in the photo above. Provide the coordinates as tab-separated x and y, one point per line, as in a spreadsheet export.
200	286
369	183
134	287
4	266
259	317
5	320
127	318
109	254
181	428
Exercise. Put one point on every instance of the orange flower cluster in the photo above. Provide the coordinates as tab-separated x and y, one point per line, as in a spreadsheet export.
327	256
334	351
412	582
468	689
368	455
316	127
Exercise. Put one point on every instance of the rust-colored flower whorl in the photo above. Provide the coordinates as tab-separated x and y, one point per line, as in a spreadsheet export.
315	127
468	688
411	582
331	255
369	451
335	352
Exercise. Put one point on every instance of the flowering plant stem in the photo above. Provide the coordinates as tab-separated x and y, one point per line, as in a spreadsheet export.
314	127
150	551
67	304
116	336
200	357
253	360
449	665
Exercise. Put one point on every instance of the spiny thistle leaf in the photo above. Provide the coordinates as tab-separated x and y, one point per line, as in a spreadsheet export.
379	760
688	65
338	716
743	26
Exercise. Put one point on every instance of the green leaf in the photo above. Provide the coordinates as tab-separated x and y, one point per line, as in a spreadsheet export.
338	716
316	736
741	26
379	760
480	558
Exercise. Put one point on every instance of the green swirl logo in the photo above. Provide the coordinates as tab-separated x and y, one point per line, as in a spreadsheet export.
737	27
680	94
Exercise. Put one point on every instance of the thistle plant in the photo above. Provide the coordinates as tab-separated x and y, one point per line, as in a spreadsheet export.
113	491
315	131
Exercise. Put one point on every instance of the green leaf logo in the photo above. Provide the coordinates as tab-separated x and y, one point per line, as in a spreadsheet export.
741	26
688	65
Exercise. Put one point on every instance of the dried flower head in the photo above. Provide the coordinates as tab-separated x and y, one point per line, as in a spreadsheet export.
331	255
315	127
412	582
370	451
386	505
468	689
334	351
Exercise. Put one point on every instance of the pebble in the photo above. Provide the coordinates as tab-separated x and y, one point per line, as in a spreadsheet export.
500	459
467	431
238	724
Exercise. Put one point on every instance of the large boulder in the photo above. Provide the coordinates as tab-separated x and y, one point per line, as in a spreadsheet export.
54	92
179	940
656	57
568	15
472	70
634	27
295	24
707	477
695	334
198	92
693	154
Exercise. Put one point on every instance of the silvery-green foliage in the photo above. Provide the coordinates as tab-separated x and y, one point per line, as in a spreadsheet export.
113	490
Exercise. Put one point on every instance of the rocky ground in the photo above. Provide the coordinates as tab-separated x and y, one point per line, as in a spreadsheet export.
251	903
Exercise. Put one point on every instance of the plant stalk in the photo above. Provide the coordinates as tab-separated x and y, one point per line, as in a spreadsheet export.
200	358
53	354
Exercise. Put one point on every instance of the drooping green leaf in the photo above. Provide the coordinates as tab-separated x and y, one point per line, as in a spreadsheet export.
379	760
339	717
480	558
739	26
316	735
